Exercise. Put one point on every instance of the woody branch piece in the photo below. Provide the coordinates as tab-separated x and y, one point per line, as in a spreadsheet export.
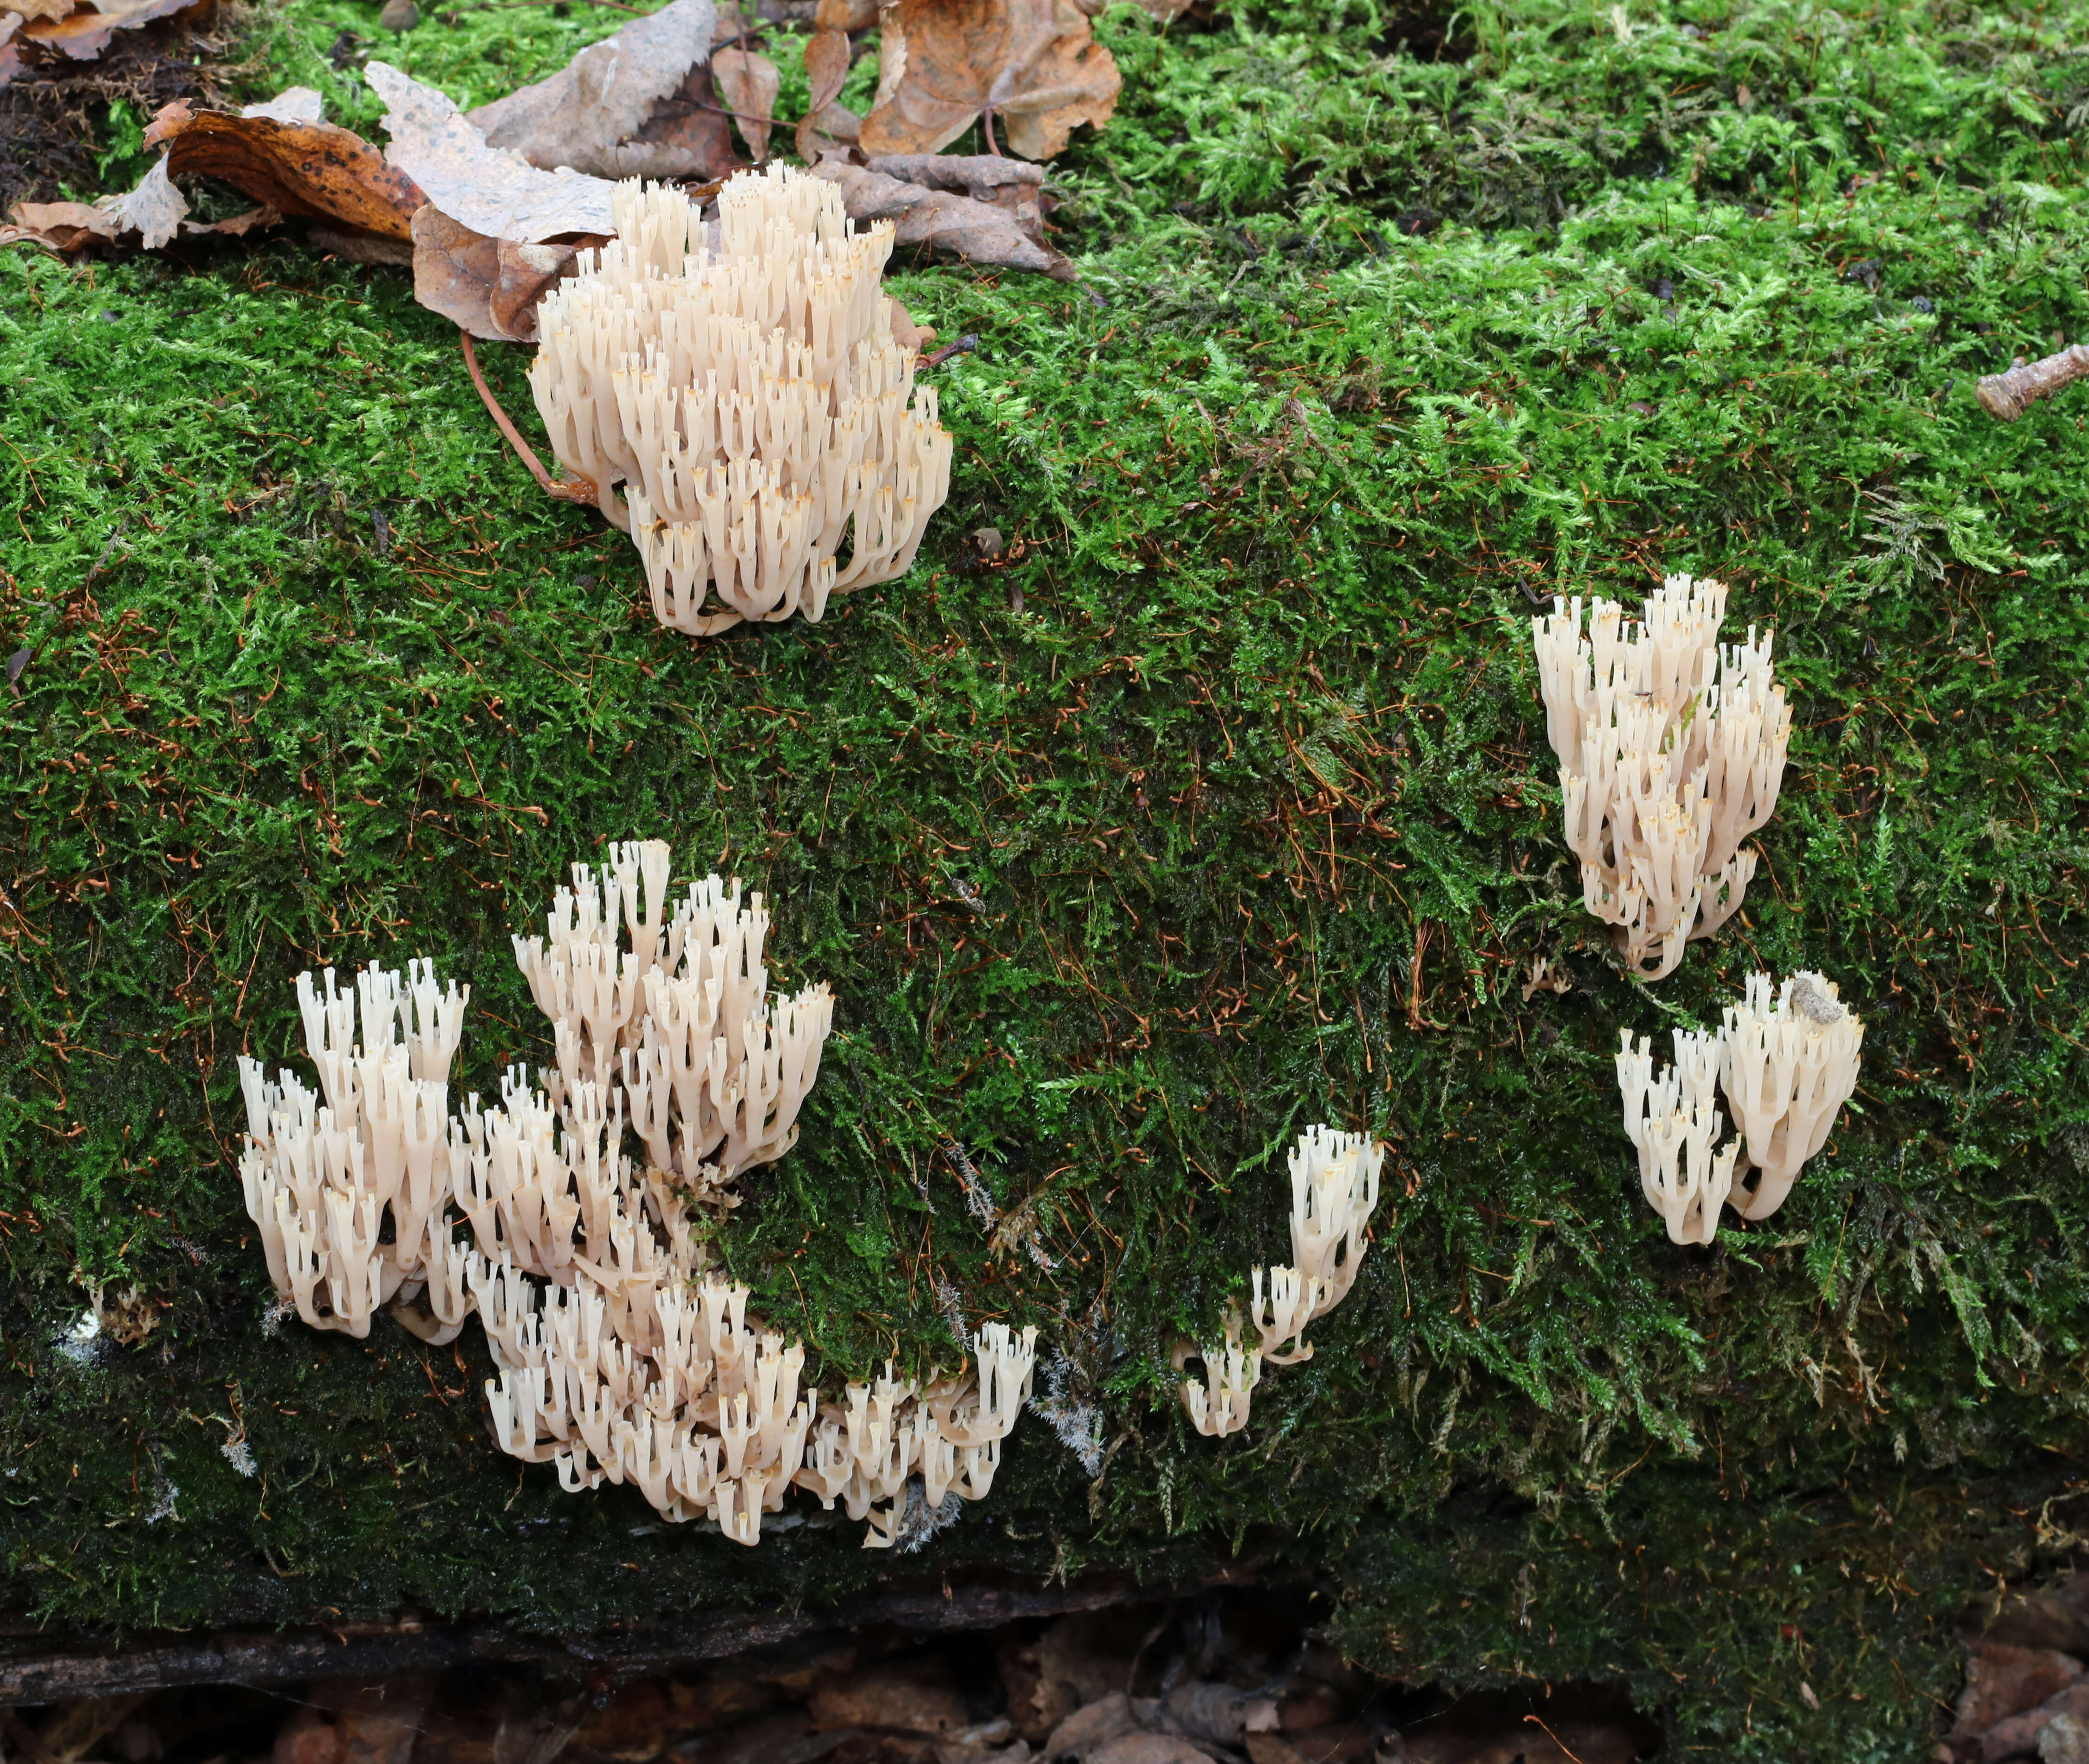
2006	395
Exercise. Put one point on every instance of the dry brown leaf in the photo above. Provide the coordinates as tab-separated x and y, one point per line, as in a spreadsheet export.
64	226
905	332
10	52
748	83
27	10
490	287
83	35
1032	66
71	226
826	123
640	104
313	169
309	168
845	15
994	219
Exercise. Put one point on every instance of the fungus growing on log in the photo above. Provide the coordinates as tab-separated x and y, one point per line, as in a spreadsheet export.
741	378
1787	1066
1671	752
1334	1191
621	1357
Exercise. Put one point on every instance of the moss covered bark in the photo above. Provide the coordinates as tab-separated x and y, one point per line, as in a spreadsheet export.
1219	804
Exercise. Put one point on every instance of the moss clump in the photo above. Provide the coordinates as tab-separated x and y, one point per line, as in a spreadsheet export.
1219	804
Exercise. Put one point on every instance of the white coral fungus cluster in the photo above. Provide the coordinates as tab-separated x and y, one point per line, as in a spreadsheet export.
1671	752
743	381
1334	1191
620	1357
1787	1062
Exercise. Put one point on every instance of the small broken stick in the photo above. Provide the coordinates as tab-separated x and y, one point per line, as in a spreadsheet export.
2006	395
565	489
965	346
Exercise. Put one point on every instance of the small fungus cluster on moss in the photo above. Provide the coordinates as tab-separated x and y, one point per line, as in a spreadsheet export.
621	1357
742	378
1787	1068
1334	1191
1672	751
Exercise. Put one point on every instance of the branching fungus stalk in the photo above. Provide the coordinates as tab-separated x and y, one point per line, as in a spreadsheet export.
742	379
1671	752
620	1359
1786	1064
1334	1191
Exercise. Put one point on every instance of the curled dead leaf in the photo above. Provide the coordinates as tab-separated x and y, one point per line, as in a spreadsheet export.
982	209
827	123
489	287
748	83
84	34
312	170
308	169
1032	66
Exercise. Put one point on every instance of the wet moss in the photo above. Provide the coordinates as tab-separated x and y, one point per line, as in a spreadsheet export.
1240	817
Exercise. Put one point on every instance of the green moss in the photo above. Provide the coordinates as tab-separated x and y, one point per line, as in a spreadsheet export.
1244	819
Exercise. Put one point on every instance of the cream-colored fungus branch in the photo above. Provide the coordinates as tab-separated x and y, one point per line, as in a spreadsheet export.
742	380
1334	1191
1671	750
1787	1062
621	1357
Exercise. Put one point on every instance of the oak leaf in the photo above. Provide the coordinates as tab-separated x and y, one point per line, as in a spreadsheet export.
1032	66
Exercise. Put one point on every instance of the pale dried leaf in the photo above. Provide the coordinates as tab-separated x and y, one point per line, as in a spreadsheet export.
1034	64
35	9
293	104
10	55
748	83
498	194
845	15
640	104
155	210
63	226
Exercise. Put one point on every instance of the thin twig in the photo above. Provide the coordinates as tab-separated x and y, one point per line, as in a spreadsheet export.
565	489
965	346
